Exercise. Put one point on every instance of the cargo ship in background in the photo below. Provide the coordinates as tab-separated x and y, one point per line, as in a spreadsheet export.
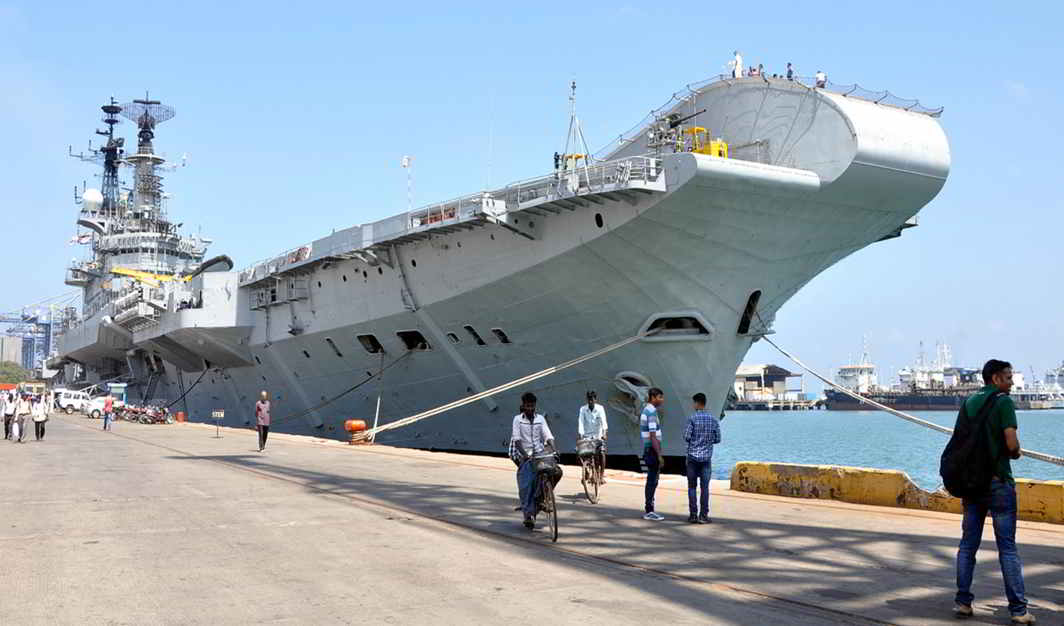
937	385
686	235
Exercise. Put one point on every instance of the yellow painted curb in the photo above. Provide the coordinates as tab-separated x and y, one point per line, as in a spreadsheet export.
1037	500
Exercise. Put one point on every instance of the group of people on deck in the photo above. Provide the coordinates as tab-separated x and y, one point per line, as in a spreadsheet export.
531	437
19	409
737	71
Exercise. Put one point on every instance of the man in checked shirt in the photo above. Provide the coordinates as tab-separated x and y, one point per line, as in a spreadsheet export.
702	431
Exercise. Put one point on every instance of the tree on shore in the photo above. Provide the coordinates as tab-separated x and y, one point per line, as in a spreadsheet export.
11	372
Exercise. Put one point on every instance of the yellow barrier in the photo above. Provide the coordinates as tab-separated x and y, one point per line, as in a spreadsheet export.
1037	500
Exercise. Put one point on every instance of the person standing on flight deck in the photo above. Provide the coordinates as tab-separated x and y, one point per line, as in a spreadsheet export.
262	418
650	431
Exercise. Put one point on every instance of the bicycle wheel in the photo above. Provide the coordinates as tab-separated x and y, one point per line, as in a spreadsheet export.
550	508
588	480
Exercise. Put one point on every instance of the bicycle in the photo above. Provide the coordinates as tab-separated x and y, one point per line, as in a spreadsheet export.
546	466
591	462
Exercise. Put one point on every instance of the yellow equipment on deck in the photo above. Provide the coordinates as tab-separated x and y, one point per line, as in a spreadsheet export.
147	278
702	143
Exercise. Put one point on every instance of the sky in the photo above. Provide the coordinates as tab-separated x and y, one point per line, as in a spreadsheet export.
294	118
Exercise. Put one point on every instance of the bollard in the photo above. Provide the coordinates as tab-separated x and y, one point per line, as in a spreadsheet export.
355	427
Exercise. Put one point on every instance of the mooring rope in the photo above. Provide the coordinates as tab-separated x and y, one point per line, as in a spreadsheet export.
1041	456
406	421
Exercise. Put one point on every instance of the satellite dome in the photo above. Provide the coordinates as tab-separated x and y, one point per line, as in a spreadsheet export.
91	200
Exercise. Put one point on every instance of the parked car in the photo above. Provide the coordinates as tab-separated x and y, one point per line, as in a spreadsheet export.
71	401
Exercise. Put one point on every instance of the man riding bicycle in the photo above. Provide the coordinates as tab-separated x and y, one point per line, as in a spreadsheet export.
530	437
591	424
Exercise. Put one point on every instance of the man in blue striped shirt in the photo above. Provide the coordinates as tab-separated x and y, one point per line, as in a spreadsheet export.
702	431
650	431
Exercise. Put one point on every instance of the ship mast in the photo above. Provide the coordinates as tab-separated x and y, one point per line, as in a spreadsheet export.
146	211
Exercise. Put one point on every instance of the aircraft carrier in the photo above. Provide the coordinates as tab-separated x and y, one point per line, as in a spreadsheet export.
698	224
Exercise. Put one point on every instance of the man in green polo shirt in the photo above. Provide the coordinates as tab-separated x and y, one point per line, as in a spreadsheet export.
999	501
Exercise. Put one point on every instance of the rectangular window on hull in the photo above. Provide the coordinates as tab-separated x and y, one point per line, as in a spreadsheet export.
413	340
474	334
370	343
748	312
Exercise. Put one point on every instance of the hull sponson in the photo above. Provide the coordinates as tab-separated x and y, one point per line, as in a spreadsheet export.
843	174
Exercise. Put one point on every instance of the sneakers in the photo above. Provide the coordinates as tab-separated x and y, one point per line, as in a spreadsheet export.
692	519
530	523
704	519
962	610
1026	618
654	517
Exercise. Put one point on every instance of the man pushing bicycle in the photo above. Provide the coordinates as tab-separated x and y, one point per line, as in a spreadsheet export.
530	437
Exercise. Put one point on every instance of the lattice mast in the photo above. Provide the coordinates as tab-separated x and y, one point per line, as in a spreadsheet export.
147	200
109	156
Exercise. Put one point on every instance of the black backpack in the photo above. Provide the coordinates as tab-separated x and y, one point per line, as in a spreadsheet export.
967	466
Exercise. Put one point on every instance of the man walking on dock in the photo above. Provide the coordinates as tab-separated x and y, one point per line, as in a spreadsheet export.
1000	499
262	418
702	431
650	431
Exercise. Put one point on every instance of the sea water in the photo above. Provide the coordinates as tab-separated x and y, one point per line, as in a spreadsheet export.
871	439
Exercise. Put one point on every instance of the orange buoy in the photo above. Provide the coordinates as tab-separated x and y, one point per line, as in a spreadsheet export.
355	427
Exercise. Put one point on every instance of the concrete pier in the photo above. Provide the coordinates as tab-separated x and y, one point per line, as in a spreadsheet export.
170	525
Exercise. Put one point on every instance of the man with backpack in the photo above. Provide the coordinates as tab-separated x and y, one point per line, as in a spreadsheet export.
975	466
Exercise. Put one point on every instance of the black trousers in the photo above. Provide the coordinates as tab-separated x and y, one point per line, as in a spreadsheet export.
263	432
38	430
7	426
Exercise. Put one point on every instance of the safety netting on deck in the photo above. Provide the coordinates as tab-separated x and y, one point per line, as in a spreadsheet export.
854	90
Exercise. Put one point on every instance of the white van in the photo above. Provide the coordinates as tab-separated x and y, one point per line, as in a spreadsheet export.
71	401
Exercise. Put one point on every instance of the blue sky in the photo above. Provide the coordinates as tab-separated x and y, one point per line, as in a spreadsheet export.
295	116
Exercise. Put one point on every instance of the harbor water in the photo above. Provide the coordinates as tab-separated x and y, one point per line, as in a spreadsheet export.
870	439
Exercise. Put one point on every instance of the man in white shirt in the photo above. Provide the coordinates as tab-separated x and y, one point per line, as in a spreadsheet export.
591	424
821	79
530	436
737	65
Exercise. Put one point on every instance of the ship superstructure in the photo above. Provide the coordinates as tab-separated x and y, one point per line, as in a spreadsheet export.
138	260
699	224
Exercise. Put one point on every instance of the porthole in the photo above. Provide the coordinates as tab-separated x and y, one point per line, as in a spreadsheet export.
319	284
258	360
306	354
344	277
598	220
500	334
413	262
454	338
364	274
493	236
380	270
332	345
263	379
459	244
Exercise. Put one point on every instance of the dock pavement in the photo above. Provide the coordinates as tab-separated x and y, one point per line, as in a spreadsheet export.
157	524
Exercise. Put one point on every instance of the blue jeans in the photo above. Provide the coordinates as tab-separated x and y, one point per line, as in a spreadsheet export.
698	472
653	474
1001	503
527	487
